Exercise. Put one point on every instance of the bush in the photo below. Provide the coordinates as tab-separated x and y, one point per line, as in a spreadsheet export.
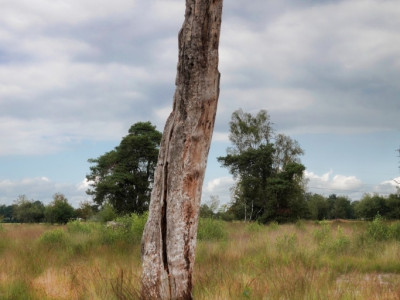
211	229
378	230
254	227
56	238
395	231
79	227
137	226
106	214
128	229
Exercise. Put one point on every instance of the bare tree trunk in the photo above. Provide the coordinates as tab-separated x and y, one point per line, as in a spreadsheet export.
169	238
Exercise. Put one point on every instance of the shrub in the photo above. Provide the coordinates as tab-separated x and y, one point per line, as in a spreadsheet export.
129	229
79	227
395	231
137	226
56	238
106	214
211	229
254	227
378	230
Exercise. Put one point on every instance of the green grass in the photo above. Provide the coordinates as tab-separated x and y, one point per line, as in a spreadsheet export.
305	260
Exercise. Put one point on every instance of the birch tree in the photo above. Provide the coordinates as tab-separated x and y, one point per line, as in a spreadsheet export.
169	239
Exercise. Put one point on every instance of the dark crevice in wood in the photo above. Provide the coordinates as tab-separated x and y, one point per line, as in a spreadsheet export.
164	220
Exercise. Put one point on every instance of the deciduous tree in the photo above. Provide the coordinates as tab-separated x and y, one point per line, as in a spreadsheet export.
267	168
59	210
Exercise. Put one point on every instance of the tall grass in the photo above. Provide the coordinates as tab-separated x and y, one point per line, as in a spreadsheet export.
326	260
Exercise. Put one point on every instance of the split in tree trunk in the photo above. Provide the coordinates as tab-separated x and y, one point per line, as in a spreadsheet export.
169	238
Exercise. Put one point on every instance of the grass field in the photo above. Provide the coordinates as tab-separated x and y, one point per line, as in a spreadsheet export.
306	260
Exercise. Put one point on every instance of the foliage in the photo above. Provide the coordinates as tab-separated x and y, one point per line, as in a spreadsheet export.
270	175
86	210
210	208
378	230
56	238
392	203
59	210
211	229
123	176
371	205
80	227
127	229
340	207
107	213
6	211
28	211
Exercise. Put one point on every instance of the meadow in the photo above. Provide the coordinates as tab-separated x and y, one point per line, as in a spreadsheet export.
306	260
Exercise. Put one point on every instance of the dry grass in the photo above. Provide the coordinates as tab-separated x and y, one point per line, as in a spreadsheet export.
331	260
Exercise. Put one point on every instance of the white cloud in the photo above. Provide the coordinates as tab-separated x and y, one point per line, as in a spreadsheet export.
83	185
23	15
329	184
220	136
42	189
350	186
163	113
319	67
387	187
220	187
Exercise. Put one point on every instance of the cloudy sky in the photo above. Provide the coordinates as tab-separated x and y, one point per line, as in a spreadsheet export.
76	74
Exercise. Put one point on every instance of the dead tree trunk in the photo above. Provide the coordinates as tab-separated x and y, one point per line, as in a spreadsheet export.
169	238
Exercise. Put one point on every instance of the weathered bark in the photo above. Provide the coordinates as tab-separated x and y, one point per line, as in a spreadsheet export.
169	239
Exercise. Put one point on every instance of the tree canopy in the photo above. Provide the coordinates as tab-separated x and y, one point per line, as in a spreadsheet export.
28	211
123	177
267	167
59	210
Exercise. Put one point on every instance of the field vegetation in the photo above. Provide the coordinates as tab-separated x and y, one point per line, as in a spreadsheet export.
305	260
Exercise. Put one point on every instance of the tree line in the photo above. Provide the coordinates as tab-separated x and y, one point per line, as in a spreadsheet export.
24	210
319	207
58	211
270	183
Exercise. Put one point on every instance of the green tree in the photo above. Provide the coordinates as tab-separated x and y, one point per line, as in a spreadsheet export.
86	210
210	208
267	168
28	211
59	210
317	207
248	131
252	168
6	211
123	177
370	206
107	213
342	209
393	206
